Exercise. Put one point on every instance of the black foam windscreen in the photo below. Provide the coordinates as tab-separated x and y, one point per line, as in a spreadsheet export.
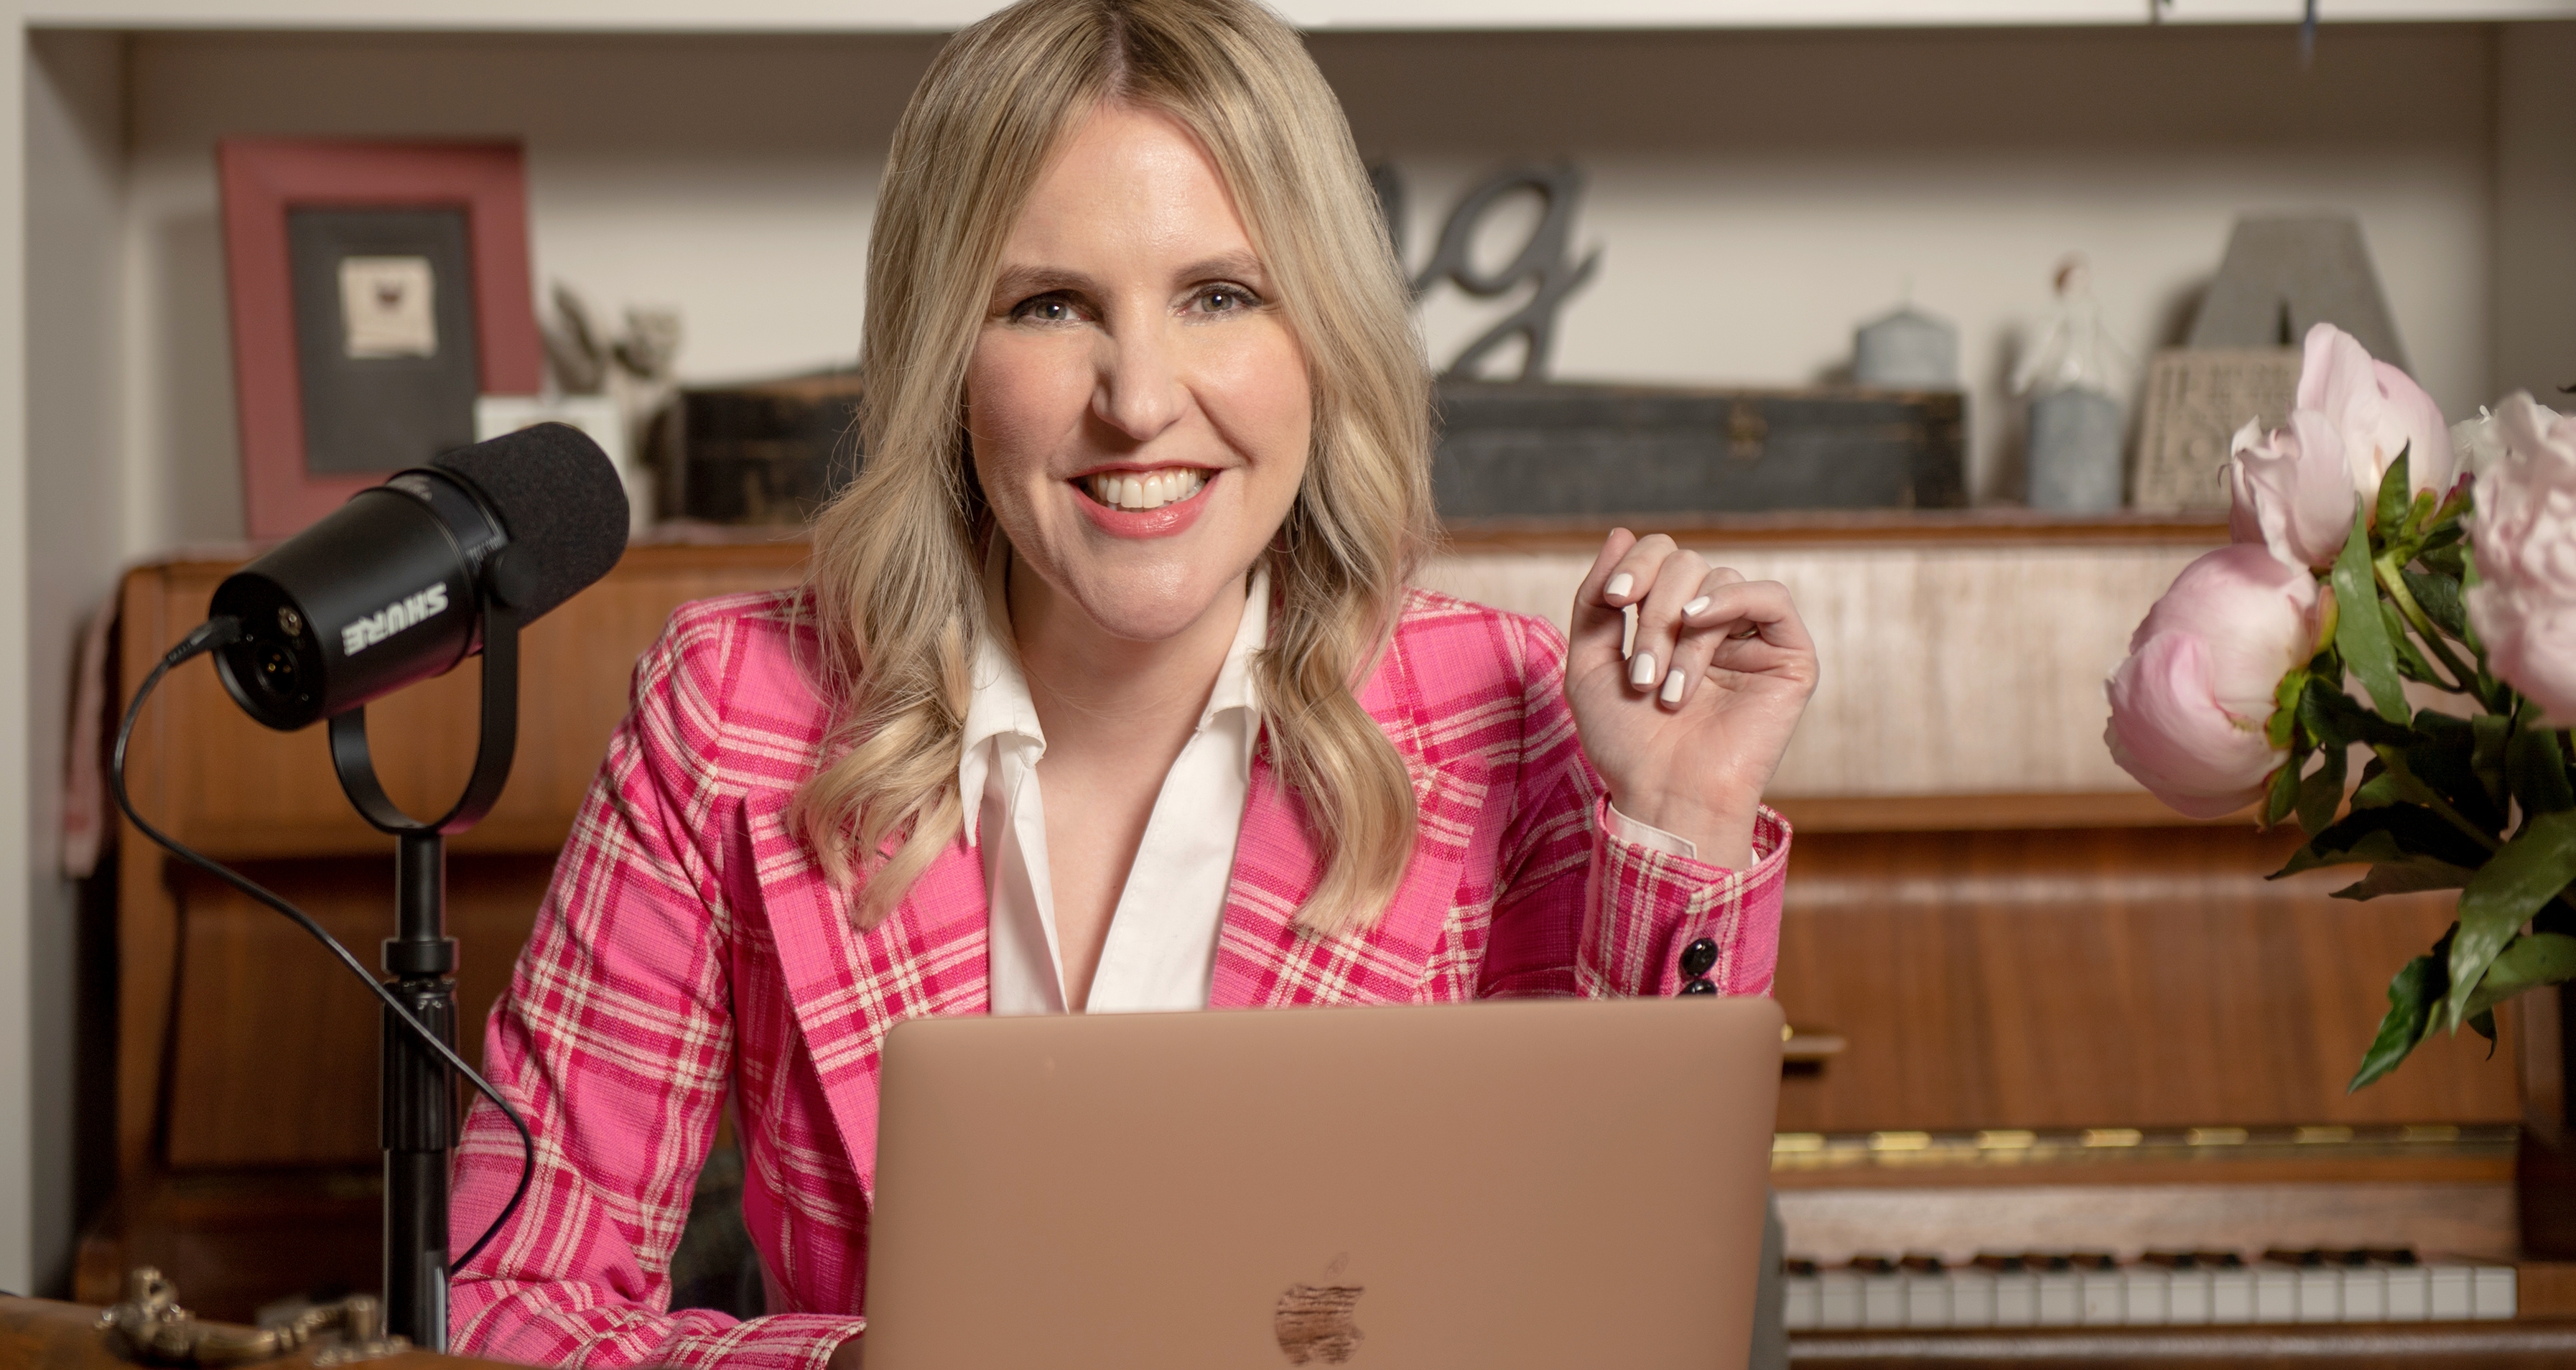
559	500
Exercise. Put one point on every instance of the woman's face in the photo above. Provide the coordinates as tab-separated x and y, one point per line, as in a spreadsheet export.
1139	406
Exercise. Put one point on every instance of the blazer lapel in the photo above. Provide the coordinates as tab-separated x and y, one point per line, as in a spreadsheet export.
848	988
1264	959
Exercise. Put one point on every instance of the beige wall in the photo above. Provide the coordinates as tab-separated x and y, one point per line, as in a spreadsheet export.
1756	194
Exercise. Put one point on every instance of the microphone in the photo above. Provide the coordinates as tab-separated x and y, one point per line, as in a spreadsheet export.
388	589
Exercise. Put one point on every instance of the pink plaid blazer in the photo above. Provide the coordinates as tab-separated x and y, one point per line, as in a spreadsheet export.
689	947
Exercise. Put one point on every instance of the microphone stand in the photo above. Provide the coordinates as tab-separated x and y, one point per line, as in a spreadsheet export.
420	1117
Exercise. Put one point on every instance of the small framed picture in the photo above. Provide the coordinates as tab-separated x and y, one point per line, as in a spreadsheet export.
379	290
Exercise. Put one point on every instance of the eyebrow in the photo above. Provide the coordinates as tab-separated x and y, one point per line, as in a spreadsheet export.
1021	282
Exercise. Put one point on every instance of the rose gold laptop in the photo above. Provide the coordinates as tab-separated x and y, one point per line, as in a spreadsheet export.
1545	1183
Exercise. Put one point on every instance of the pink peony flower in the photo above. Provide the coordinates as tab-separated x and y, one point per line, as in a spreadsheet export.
2524	531
2478	443
2377	411
2189	705
2292	490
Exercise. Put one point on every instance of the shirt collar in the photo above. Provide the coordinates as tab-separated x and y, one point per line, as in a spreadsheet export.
999	712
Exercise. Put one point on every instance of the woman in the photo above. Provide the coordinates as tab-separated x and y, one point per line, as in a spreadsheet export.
1105	691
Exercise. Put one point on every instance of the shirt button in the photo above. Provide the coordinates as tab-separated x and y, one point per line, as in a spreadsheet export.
1699	986
1698	957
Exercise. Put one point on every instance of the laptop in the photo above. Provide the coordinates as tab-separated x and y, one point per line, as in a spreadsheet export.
1532	1183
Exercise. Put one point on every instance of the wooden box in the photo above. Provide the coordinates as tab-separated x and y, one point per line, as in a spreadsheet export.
1515	453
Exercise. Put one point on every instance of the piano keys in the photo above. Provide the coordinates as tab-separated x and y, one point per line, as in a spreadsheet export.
2160	1289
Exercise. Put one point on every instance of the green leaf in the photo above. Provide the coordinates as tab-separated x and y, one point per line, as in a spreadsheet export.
2377	790
2321	793
2406	875
2360	633
2392	497
2439	597
2535	767
2334	719
2524	874
2419	514
2441	557
2283	794
2443	757
2526	963
2285	708
2469	581
2411	996
2391	834
2488	734
2483	1024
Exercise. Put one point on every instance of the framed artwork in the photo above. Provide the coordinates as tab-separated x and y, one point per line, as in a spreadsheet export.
378	290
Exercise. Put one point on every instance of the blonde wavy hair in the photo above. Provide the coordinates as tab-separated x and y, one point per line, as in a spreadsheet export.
894	580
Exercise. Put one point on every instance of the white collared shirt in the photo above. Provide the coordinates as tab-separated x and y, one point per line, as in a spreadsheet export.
1160	954
1161	948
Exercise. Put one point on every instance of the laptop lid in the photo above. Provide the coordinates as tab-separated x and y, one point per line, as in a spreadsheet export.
1538	1183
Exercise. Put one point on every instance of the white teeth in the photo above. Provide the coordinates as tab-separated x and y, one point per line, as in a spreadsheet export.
1150	491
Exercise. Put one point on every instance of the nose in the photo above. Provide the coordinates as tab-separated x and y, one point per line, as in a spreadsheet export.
1138	390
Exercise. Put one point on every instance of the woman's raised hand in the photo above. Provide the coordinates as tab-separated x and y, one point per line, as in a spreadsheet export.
1687	727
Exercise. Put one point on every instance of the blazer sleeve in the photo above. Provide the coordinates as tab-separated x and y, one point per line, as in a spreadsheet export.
1581	911
615	1042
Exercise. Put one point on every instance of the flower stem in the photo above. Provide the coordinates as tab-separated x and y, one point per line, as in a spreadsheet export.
2395	584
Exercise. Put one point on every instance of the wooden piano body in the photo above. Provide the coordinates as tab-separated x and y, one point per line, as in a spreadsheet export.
2067	1022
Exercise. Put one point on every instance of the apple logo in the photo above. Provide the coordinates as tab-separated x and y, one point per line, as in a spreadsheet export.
1314	1321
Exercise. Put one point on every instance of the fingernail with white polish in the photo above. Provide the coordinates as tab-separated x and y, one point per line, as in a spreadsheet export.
1619	585
1641	672
1695	606
1673	687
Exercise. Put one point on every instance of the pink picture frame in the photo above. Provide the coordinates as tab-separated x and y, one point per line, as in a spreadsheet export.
262	181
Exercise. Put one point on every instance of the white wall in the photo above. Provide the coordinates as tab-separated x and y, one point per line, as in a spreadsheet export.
74	149
2535	269
1756	194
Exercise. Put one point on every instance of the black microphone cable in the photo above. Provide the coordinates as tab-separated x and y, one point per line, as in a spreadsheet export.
222	631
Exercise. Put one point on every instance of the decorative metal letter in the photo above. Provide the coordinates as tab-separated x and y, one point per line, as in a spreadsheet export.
1542	259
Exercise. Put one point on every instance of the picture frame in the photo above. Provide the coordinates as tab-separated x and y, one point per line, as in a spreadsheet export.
378	290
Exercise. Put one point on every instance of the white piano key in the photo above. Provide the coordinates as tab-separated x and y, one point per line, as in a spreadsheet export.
2146	1296
2231	1295
2365	1293
2276	1293
1882	1301
2187	1297
2491	1293
2102	1295
1838	1300
2061	1298
1802	1302
2410	1292
2320	1293
1927	1297
2451	1299
2016	1299
1972	1298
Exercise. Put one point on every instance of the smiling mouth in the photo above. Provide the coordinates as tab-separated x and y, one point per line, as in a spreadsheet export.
1138	491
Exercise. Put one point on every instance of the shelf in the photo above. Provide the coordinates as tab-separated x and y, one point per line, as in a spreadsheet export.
903	16
1995	527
